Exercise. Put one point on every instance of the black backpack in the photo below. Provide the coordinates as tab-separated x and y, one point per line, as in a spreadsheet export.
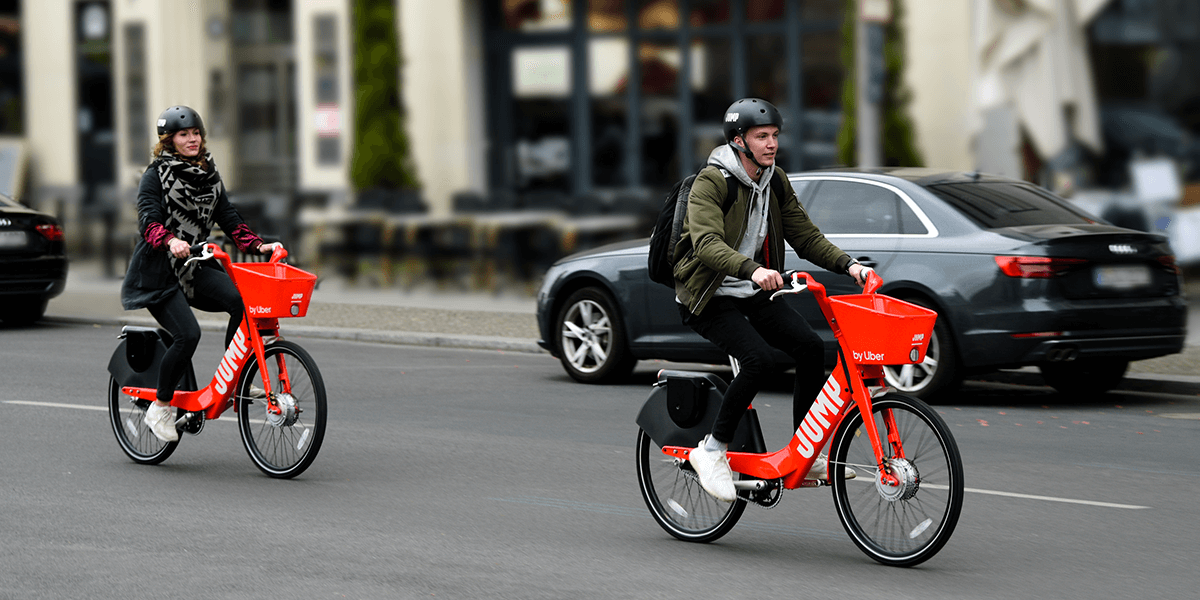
669	226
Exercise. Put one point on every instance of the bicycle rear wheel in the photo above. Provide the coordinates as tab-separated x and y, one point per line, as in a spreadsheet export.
128	418
907	524
282	430
675	499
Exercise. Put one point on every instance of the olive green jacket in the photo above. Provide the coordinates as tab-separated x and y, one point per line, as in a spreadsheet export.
706	251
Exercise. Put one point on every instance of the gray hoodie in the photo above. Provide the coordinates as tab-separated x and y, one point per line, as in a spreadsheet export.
756	224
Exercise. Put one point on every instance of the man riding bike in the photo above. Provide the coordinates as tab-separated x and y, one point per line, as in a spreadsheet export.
727	263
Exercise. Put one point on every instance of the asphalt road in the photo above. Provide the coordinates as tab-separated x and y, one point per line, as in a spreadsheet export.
480	474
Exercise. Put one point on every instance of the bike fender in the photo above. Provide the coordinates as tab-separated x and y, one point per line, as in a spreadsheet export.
655	418
137	359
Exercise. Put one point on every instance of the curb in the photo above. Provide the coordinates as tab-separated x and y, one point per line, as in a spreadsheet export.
405	338
1187	385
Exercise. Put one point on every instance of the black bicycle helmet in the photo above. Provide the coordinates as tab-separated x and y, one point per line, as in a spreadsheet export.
747	113
179	117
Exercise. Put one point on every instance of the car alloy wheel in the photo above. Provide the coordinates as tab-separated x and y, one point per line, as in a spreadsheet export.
592	338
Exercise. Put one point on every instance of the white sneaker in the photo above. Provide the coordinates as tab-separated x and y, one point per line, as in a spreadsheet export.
161	421
820	470
712	467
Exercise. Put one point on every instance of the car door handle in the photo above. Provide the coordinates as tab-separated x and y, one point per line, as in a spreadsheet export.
866	261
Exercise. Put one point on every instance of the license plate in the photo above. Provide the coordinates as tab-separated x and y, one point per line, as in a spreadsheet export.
12	239
1122	277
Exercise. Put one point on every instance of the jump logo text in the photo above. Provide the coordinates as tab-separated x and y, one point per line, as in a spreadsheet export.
229	363
820	419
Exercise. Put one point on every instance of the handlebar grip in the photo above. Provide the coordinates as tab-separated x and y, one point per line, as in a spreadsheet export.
197	249
874	282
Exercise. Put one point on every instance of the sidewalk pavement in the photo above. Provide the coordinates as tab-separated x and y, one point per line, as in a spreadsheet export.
478	320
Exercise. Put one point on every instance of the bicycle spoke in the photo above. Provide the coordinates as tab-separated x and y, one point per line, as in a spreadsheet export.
901	524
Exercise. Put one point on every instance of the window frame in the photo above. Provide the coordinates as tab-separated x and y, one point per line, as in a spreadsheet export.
931	230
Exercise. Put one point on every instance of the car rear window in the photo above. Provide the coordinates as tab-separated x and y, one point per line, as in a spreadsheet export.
1001	204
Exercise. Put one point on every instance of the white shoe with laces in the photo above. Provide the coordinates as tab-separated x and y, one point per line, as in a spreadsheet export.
712	468
820	470
161	421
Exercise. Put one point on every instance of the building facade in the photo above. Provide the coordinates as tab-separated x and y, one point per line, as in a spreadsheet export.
558	98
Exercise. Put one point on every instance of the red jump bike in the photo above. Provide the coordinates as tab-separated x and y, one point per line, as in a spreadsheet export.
905	501
272	384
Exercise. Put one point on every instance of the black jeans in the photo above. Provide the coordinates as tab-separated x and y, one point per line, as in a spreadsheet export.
214	292
747	329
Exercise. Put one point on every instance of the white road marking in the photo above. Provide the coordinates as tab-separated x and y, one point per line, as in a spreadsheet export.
1043	498
938	487
55	405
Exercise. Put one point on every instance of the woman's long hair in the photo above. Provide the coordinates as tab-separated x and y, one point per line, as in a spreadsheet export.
165	145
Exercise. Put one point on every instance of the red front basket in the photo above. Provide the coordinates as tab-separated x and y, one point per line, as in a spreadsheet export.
881	330
274	290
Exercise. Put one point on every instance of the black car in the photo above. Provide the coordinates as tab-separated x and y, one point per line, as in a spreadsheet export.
1017	275
33	262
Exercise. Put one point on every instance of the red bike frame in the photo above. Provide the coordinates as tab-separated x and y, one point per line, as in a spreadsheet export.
847	387
215	398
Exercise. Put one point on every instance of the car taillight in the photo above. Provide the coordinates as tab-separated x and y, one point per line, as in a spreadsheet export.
1168	263
51	232
1035	267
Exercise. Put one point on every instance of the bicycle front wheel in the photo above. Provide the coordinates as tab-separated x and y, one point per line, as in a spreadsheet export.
906	524
673	494
128	418
282	428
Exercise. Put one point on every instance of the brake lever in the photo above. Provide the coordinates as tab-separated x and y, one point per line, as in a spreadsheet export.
205	254
796	288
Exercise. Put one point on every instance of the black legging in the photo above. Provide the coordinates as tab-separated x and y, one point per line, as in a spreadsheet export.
748	329
214	292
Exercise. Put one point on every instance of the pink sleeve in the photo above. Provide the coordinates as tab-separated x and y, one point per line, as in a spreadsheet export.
157	236
245	239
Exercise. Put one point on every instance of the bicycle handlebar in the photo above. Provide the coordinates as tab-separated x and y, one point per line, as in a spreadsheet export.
208	250
872	285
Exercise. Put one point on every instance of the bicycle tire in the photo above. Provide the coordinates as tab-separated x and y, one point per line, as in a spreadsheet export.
127	415
284	445
905	525
675	499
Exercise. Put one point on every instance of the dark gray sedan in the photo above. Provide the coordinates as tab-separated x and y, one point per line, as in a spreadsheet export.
1017	275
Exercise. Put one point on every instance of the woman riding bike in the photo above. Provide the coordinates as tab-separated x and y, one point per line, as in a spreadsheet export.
179	199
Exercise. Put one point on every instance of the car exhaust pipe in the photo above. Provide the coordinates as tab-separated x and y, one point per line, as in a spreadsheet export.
1062	354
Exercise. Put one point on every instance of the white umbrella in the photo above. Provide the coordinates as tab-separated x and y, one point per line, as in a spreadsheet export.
1031	56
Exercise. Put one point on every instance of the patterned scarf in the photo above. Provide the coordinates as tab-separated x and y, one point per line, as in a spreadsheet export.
190	193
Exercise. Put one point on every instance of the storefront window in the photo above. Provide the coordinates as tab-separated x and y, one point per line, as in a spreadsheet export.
608	77
709	12
764	10
537	15
712	93
822	76
541	90
659	14
660	66
607	16
557	128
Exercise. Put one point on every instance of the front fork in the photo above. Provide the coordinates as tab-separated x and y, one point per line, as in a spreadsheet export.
271	327
862	398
